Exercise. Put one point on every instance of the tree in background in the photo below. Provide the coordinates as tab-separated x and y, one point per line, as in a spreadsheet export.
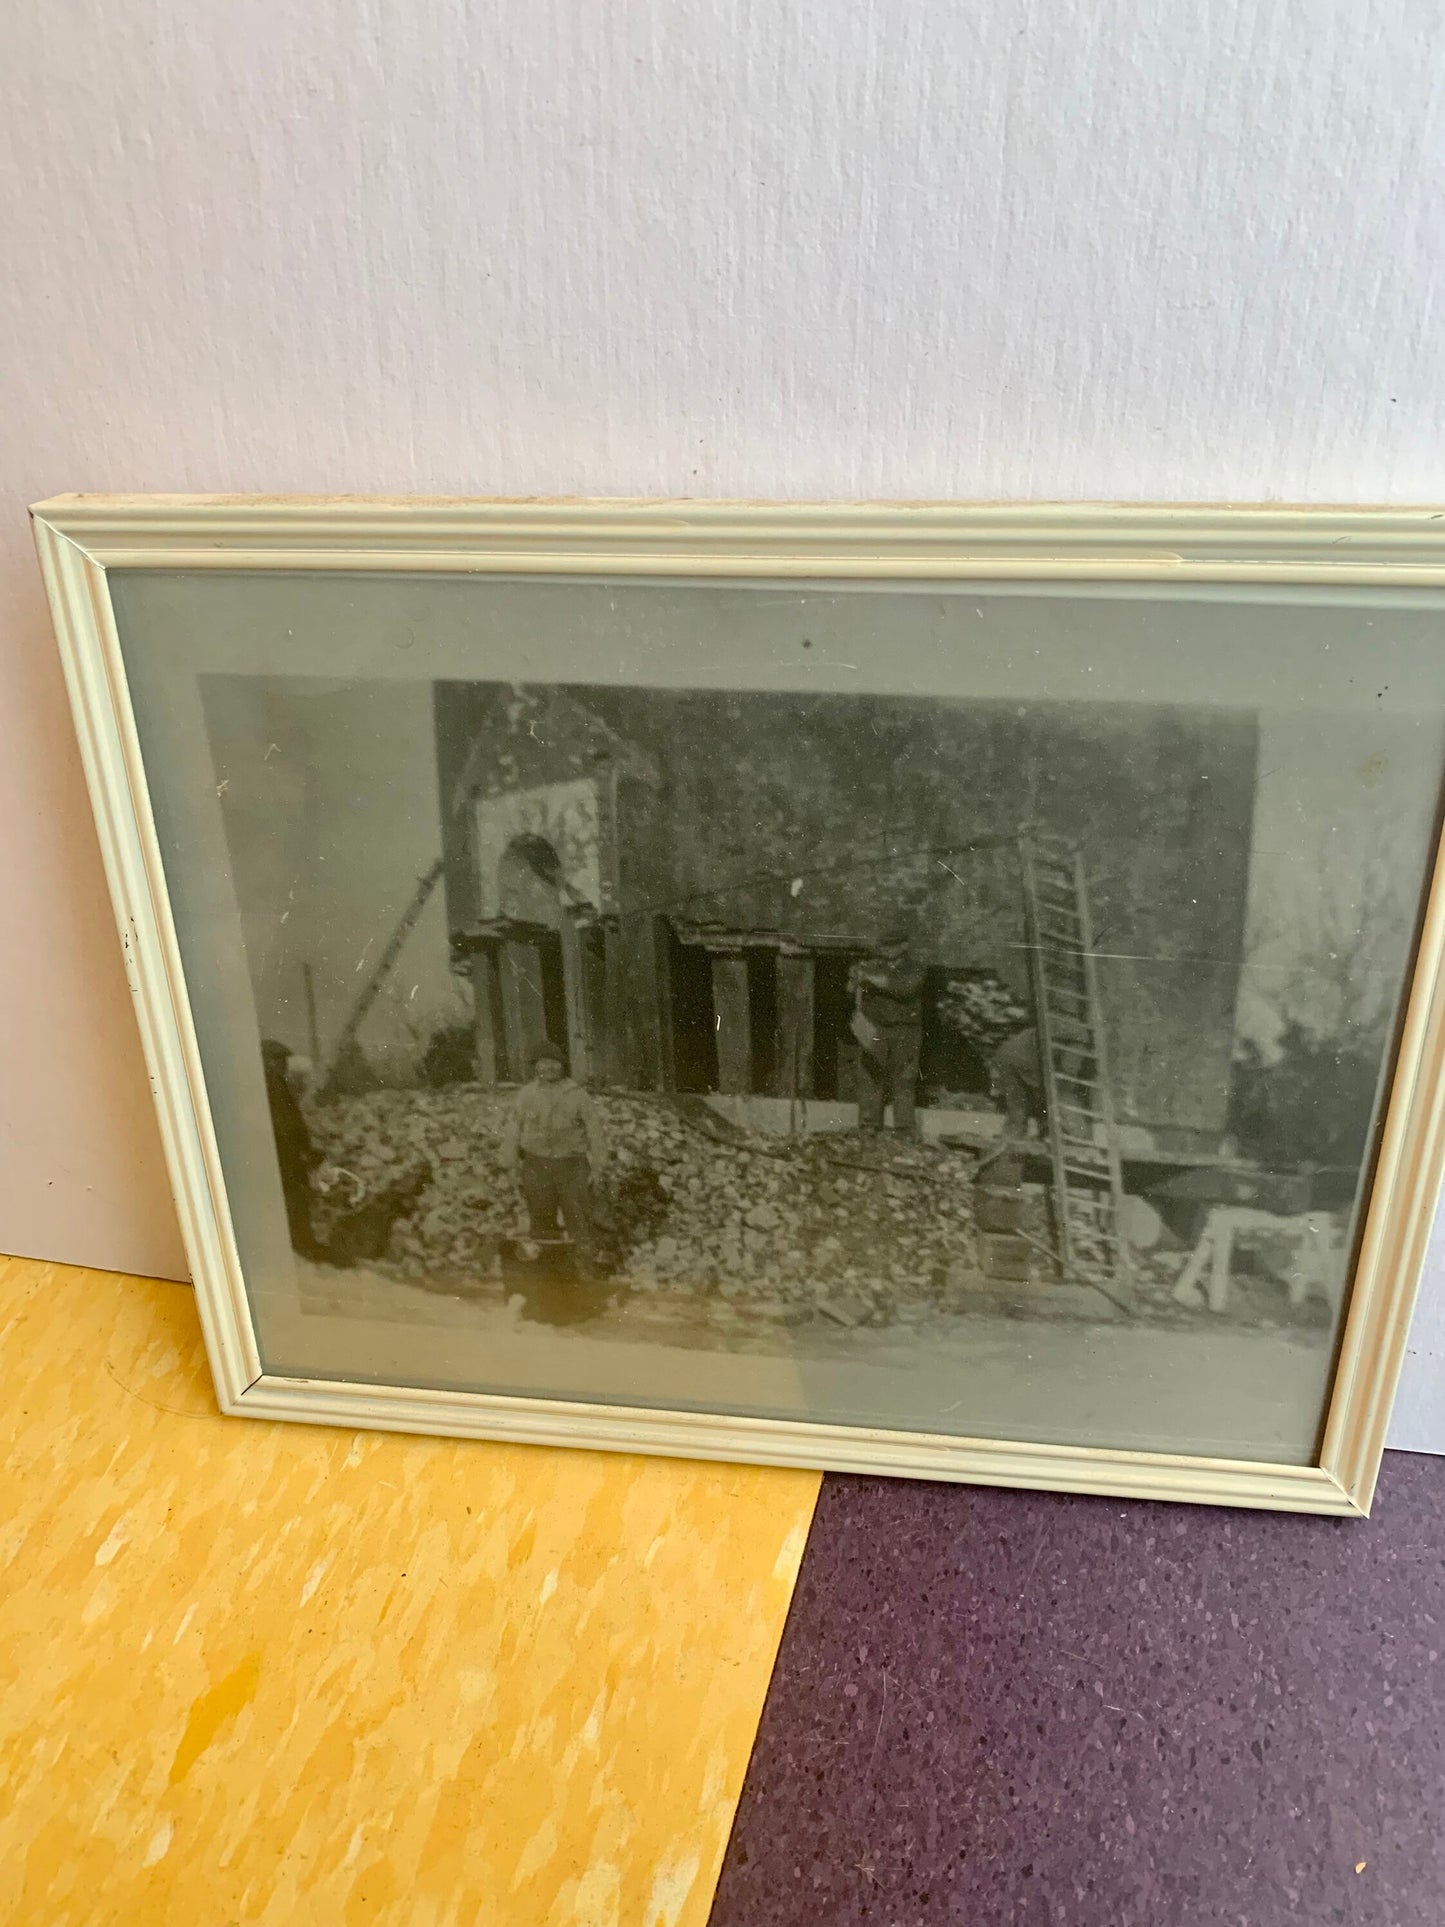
1329	971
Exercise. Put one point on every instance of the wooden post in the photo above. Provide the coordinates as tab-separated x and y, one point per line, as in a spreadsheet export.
485	996
666	1018
793	1058
591	940
524	1017
574	993
613	1016
734	1021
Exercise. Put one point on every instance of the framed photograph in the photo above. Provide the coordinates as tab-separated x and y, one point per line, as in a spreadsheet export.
944	991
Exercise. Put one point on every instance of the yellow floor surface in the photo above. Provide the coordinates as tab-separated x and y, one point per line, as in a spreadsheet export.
273	1674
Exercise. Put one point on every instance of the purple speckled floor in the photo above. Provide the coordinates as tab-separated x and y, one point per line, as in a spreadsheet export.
998	1709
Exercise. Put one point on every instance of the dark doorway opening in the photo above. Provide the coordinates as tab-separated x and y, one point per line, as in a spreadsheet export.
763	1017
832	1009
949	1061
694	1026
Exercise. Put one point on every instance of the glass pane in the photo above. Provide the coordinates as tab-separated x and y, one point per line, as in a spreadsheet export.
943	1007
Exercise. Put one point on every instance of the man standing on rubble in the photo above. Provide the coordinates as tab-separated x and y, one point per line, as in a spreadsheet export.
552	1142
888	1023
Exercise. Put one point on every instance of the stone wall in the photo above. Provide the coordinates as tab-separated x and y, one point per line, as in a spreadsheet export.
833	817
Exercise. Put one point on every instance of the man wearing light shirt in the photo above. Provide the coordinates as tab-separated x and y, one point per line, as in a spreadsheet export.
552	1142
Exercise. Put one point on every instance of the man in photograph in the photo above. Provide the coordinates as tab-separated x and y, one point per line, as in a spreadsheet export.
296	1154
888	1023
1017	1081
553	1143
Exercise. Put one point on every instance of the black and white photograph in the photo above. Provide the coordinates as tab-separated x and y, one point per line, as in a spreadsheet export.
990	1061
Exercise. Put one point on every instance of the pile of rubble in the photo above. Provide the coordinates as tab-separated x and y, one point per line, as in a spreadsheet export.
853	1227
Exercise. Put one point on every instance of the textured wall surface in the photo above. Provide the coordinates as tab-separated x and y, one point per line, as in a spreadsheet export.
666	247
828	817
284	1674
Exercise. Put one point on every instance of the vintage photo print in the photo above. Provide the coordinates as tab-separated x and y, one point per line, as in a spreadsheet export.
951	1010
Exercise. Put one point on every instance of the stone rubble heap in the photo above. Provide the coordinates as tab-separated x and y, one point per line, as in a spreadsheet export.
857	1229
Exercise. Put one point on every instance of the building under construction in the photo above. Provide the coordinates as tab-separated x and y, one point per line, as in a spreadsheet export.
673	884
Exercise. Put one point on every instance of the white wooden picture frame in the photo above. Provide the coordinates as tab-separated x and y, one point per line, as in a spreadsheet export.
1381	570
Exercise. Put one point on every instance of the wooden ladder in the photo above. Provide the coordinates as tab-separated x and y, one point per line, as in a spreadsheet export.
1088	1188
382	968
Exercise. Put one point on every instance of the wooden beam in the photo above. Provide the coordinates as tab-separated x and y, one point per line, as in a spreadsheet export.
486	998
614	1022
666	1015
524	1018
594	998
574	995
734	1022
793	1058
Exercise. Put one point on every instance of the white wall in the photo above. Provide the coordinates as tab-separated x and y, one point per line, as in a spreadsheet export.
1113	248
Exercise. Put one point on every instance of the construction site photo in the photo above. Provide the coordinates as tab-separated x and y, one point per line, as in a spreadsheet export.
876	1056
